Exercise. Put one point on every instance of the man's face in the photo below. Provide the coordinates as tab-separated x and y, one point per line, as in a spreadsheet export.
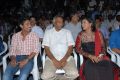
75	18
58	23
26	26
32	21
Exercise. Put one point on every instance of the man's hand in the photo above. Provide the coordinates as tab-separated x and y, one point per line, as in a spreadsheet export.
13	63
23	63
57	64
63	62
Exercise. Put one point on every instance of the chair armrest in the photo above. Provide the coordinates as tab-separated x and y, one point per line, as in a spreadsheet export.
35	62
81	59
43	59
35	70
118	59
5	61
114	56
75	57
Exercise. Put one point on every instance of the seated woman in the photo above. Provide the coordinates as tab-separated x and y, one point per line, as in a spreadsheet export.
90	44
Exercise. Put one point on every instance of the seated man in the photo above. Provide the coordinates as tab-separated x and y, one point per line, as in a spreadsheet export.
58	44
114	41
24	46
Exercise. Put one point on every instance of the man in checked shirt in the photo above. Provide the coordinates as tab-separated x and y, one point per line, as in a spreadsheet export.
24	46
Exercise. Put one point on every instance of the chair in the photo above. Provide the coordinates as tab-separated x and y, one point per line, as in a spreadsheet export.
61	71
1	63
1	37
114	56
9	40
6	47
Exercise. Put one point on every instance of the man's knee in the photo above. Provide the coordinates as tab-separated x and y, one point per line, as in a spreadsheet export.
72	74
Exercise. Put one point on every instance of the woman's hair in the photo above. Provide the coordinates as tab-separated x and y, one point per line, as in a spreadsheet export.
21	22
90	21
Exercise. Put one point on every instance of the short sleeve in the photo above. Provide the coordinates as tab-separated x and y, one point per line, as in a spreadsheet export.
70	39
46	40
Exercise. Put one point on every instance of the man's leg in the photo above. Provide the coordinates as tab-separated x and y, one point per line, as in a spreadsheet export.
25	71
9	72
49	71
71	71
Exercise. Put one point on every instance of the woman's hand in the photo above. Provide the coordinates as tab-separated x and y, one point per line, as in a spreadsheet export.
94	59
101	57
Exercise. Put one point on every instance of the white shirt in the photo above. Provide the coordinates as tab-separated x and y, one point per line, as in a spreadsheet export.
75	29
58	42
38	31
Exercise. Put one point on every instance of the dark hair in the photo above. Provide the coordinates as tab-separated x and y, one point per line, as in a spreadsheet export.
21	22
90	21
33	17
71	15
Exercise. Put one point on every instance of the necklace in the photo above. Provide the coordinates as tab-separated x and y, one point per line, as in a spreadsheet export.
88	37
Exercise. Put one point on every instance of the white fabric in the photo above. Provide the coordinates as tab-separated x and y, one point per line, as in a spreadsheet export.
58	42
38	31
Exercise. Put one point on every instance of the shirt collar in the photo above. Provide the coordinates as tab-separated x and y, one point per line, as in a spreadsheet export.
22	36
55	30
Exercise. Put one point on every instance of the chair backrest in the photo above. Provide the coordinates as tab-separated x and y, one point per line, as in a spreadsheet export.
5	48
1	37
9	39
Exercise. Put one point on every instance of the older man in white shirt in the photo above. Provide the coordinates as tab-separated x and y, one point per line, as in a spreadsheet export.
58	44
